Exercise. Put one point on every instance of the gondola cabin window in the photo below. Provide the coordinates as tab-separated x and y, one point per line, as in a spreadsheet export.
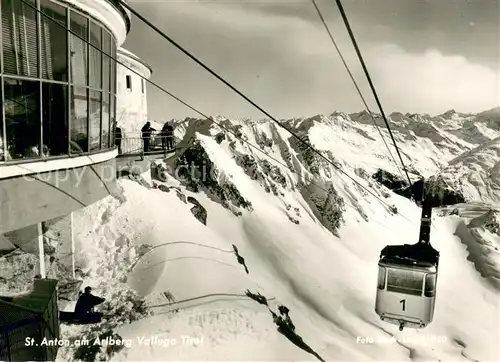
430	285
405	281
381	277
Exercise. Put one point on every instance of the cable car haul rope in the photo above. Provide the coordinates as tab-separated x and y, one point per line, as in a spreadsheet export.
406	289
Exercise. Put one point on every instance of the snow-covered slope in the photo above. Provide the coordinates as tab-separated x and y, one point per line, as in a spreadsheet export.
328	283
476	173
310	237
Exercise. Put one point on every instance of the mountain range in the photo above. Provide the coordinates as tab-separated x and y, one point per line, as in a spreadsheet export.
203	251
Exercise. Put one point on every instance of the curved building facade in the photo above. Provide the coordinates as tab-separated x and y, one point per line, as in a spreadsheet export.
132	106
58	80
58	94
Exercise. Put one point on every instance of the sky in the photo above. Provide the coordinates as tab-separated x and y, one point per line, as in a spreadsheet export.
423	56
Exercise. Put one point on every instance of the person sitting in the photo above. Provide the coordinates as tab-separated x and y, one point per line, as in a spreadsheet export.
86	303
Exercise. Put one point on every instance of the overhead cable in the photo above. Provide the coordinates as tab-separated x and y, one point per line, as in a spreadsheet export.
161	33
360	56
356	85
212	120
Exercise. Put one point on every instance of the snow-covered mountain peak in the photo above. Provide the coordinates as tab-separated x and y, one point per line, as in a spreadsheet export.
449	114
429	145
243	219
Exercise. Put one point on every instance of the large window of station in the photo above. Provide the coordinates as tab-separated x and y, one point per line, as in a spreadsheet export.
58	84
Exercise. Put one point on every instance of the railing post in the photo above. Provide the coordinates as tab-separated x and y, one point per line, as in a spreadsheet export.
41	253
134	146
72	247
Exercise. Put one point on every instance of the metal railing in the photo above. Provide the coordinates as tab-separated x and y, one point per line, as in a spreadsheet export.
134	144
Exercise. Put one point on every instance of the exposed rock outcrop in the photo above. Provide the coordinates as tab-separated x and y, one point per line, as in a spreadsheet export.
195	170
267	174
199	212
326	203
435	188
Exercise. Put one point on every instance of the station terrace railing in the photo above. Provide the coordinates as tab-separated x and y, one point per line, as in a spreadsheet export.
133	144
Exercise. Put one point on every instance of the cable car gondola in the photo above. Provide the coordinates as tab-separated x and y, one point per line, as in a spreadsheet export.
407	276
